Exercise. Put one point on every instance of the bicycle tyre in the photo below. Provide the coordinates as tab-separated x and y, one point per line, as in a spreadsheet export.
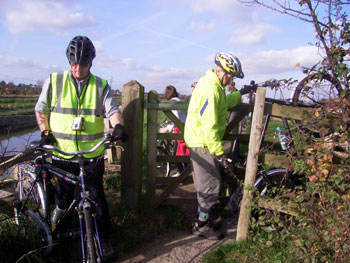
163	169
41	237
275	176
36	199
313	91
90	243
276	179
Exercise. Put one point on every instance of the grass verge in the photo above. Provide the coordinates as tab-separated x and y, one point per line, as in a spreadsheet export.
268	248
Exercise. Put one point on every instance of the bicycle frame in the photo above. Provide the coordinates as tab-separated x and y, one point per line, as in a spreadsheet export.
39	173
261	173
84	201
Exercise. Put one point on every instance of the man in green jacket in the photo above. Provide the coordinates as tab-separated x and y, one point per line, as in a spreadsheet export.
204	128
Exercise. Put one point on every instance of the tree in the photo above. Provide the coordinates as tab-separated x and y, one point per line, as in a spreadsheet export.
39	82
322	228
332	33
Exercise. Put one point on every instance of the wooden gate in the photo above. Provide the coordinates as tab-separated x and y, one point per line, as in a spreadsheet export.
136	109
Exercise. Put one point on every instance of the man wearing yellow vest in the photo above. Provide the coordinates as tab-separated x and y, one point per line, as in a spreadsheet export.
204	128
70	113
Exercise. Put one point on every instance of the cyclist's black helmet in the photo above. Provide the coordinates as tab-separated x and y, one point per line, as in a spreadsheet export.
80	50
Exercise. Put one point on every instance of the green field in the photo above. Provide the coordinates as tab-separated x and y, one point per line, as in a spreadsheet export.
23	105
17	105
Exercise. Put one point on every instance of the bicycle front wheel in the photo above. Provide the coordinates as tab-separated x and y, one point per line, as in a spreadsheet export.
272	182
266	186
313	91
90	243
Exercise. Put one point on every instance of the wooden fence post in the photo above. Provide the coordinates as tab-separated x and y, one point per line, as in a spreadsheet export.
152	119
131	161
252	161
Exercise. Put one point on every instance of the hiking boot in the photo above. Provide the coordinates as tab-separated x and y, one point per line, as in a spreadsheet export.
107	250
215	223
206	231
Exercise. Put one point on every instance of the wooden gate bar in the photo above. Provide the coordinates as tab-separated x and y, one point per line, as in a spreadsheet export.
152	117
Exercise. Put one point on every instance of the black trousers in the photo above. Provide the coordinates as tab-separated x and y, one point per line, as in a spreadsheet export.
94	184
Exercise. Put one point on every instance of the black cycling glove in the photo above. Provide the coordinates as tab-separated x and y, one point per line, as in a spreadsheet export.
119	133
47	137
248	88
224	160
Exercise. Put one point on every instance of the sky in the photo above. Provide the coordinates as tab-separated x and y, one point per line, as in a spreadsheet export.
156	42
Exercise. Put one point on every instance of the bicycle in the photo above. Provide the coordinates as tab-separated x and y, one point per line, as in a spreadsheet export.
33	201
164	148
266	181
314	91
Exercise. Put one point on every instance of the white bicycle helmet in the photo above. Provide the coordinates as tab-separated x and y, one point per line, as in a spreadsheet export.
230	64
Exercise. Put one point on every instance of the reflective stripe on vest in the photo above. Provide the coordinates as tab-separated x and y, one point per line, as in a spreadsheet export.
65	106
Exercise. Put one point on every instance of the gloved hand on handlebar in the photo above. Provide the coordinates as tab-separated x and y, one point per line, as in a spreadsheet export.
249	88
47	138
224	160
119	133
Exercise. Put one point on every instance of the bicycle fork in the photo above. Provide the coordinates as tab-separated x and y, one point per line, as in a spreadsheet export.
85	203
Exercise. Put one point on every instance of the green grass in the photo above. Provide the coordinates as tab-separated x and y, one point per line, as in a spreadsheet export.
268	248
17	105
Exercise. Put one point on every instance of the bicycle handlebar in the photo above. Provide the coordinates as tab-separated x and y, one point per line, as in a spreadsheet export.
273	83
107	138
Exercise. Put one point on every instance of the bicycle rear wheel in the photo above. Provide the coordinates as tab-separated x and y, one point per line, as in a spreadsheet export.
35	229
313	91
31	193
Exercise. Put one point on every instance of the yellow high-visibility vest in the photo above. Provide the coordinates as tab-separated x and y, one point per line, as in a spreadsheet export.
66	105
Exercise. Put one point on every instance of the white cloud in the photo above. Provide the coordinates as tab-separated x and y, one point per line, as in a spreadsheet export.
20	62
158	72
41	15
157	77
202	26
22	70
108	61
98	46
278	61
200	6
252	35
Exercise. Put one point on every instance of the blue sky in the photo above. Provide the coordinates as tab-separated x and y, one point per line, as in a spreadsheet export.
156	42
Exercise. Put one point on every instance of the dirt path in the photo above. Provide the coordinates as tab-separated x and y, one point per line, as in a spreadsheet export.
180	246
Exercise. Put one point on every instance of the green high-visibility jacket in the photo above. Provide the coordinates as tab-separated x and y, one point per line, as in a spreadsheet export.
207	113
66	105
